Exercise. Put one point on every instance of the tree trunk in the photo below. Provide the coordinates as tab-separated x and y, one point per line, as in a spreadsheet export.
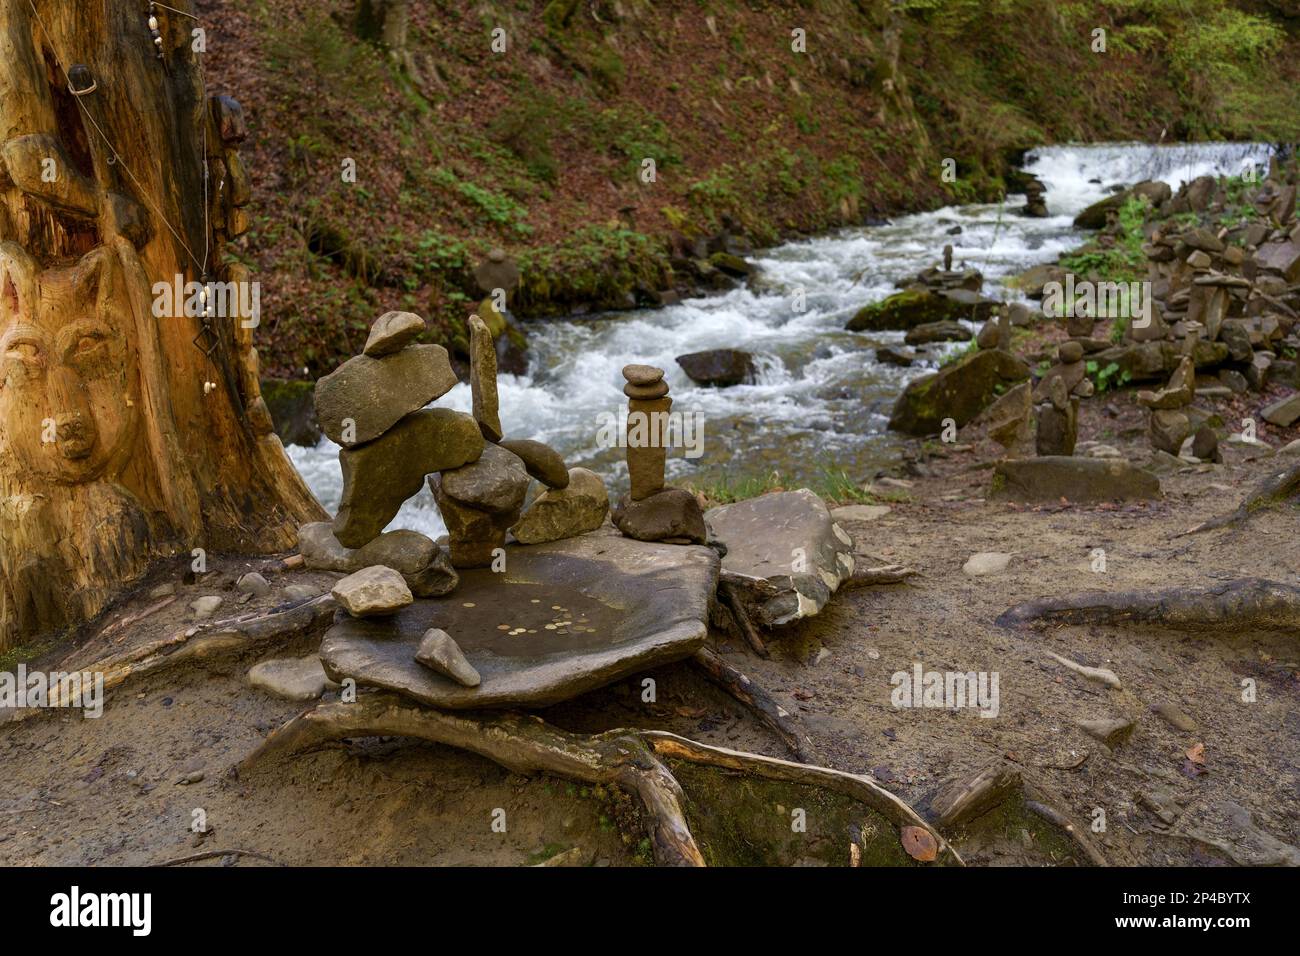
131	425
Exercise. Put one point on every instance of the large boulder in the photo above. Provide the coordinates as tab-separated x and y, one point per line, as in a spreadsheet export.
959	391
374	394
1094	217
946	331
908	309
718	367
1079	480
380	475
785	555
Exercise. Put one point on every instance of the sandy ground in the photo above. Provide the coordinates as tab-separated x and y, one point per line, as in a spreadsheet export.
126	788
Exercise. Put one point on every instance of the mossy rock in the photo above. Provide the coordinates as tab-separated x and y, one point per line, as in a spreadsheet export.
959	391
731	265
906	310
292	405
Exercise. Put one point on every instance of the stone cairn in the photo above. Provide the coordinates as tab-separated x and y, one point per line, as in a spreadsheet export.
651	511
1056	401
374	407
1035	206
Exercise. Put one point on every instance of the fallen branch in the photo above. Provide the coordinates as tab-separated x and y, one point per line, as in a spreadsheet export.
211	854
886	574
631	759
733	600
1270	492
768	711
1245	603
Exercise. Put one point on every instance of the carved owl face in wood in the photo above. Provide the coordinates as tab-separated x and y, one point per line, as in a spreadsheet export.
69	382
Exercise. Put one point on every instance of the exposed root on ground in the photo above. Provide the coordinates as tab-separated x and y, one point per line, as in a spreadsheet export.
885	574
635	760
1277	487
1248	602
760	703
731	597
228	637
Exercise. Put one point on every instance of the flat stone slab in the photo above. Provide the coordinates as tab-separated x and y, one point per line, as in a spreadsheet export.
562	619
784	552
1079	480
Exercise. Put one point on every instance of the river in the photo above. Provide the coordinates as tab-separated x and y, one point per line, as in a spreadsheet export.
820	401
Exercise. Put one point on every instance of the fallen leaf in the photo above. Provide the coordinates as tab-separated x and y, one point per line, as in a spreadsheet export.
919	844
1196	753
690	711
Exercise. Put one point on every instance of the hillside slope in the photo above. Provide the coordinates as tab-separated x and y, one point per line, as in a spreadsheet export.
763	120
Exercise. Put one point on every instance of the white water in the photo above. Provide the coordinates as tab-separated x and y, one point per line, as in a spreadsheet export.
821	401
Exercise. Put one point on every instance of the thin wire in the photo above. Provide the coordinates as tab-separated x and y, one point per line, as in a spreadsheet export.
174	10
118	158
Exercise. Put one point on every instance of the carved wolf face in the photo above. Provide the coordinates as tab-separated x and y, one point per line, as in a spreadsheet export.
69	382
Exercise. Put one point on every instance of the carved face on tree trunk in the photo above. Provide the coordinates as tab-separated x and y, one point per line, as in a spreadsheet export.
69	385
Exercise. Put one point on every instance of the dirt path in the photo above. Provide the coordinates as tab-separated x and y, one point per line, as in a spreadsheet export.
112	790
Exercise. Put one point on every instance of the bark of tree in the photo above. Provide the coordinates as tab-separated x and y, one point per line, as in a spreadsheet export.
131	429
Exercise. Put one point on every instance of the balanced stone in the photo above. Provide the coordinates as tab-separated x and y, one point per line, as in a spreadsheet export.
379	476
564	512
421	561
496	483
646	392
473	535
374	394
642	374
439	652
392	332
417	557
483	379
1168	430
497	272
647	455
372	592
540	461
671	515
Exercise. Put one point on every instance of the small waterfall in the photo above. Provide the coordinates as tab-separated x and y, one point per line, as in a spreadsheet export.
821	400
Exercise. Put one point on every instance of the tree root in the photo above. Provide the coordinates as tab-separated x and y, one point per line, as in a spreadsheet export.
213	854
1244	603
216	639
1270	492
632	759
886	574
729	594
760	702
